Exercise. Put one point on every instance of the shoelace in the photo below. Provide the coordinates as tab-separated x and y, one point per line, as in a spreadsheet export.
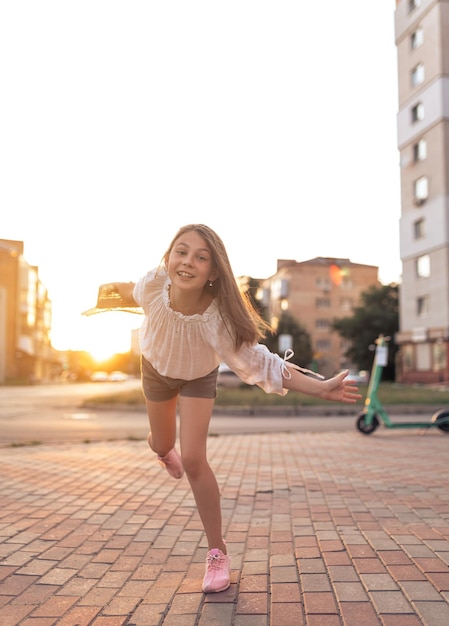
214	561
288	354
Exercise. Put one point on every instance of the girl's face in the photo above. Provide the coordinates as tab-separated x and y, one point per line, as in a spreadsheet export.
190	264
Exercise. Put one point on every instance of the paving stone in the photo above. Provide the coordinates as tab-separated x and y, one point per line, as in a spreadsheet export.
359	613
56	606
379	582
12	615
401	620
252	603
390	602
420	590
321	532
433	613
320	602
284	614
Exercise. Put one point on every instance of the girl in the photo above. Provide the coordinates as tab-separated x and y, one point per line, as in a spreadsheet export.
196	317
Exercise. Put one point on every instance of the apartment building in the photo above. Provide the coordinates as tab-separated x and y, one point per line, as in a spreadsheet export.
422	41
315	292
26	354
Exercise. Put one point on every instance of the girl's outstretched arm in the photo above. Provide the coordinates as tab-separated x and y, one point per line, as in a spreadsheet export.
336	389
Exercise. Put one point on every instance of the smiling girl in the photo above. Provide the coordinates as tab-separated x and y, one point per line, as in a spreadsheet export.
195	318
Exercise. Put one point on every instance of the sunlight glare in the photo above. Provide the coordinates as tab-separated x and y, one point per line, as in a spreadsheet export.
109	333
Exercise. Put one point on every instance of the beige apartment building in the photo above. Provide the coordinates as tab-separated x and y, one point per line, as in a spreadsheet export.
26	354
422	41
315	292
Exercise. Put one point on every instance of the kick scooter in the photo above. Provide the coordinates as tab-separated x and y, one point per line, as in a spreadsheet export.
368	420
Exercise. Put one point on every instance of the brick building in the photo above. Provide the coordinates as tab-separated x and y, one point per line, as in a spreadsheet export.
26	354
422	41
316	292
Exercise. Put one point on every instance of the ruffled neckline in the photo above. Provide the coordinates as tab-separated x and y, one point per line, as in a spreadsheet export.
196	316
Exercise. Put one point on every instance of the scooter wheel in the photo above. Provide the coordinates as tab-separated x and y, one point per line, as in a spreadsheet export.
442	417
364	428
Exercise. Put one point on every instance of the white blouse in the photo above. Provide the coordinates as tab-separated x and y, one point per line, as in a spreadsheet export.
191	346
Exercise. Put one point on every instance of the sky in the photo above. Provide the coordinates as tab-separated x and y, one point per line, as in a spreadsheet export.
272	122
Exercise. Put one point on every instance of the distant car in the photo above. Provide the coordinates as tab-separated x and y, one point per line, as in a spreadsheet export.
118	377
360	377
99	377
228	378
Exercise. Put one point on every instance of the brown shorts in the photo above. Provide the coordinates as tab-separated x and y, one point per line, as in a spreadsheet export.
158	388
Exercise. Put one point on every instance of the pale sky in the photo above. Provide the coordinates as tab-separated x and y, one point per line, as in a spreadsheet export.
272	122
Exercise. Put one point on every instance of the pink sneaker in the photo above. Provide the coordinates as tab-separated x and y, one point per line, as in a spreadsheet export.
218	571
172	463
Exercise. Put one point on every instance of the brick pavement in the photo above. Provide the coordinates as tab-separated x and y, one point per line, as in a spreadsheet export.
330	529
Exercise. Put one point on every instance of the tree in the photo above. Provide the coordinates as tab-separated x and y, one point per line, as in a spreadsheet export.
250	288
378	314
301	344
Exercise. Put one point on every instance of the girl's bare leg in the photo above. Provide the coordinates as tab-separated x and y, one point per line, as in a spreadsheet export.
162	437
195	416
162	418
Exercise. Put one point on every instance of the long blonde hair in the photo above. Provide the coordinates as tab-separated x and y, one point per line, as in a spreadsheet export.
246	325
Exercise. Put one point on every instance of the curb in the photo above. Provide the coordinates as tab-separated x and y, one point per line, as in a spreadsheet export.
325	410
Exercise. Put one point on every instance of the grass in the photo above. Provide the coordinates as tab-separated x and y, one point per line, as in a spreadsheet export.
389	394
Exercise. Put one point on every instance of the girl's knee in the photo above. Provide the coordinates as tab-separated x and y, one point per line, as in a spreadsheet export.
193	464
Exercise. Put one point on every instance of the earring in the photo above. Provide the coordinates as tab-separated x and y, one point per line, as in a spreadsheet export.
211	284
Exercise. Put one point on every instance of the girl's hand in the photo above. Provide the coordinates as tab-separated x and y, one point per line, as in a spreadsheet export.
338	389
124	289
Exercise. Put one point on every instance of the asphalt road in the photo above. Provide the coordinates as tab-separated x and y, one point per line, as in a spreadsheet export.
54	414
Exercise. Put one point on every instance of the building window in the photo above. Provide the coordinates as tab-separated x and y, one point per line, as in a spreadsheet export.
439	356
322	324
423	266
279	289
407	358
413	4
346	304
418	229
323	283
263	296
417	75
422	306
423	357
418	112
421	190
417	38
420	150
323	303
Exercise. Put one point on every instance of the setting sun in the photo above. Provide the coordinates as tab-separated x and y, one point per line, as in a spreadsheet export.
110	333
100	353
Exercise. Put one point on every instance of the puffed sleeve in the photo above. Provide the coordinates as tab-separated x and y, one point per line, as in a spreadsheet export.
142	289
254	364
138	291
